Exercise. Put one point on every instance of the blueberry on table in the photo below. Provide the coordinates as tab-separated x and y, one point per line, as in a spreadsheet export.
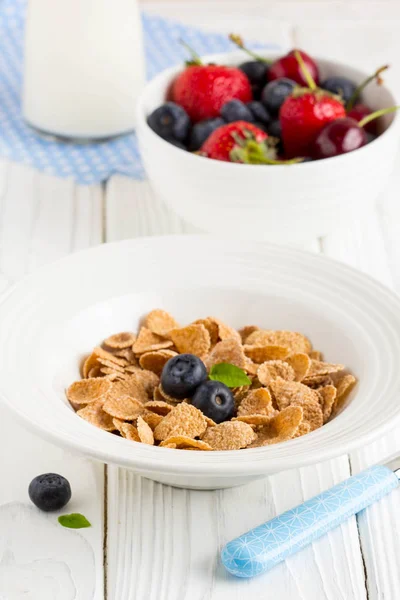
236	110
202	130
49	491
170	121
340	85
259	112
182	374
215	400
275	93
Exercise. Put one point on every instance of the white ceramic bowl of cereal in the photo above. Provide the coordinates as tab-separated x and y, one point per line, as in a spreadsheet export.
56	316
275	203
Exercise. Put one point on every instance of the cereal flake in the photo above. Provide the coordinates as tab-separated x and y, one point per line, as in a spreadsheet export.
272	369
124	408
261	354
160	322
184	419
120	341
94	414
257	402
230	435
155	361
148	341
87	391
228	351
193	339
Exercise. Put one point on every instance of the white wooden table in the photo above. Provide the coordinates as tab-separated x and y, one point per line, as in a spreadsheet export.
153	542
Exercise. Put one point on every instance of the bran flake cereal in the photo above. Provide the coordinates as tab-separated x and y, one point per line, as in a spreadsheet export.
87	391
160	322
155	361
120	341
184	419
231	435
273	369
124	408
290	391
257	402
193	339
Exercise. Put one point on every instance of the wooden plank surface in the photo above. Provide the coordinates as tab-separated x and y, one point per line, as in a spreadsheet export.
163	543
42	219
334	566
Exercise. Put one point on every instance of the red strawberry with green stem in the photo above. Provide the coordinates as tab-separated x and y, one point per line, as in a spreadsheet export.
202	90
242	142
305	113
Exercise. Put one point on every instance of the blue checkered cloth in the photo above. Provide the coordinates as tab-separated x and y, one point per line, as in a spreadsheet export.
91	163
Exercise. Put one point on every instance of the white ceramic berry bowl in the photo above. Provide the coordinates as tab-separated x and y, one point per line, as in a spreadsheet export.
52	319
289	203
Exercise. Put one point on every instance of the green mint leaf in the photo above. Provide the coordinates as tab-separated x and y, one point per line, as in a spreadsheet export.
230	375
74	521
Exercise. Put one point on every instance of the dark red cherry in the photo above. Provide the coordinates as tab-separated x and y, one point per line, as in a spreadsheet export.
345	134
359	112
288	66
339	137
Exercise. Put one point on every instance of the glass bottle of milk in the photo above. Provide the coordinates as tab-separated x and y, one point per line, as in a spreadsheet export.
84	67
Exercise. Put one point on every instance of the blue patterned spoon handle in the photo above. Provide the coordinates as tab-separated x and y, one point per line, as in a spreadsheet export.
265	546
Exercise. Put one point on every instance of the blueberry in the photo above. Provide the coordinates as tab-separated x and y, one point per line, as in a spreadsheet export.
274	129
236	110
275	93
215	400
340	85
49	491
256	72
176	143
182	374
259	112
202	130
170	121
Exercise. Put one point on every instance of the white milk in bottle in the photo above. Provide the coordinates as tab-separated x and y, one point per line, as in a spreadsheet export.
84	67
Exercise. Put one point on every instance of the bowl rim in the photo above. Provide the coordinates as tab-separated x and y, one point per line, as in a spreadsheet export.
234	56
193	467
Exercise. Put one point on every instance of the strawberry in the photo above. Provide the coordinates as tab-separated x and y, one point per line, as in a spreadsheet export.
202	90
304	114
288	66
241	142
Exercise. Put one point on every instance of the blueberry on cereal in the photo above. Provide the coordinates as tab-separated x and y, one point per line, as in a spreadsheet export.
49	491
215	400
182	374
